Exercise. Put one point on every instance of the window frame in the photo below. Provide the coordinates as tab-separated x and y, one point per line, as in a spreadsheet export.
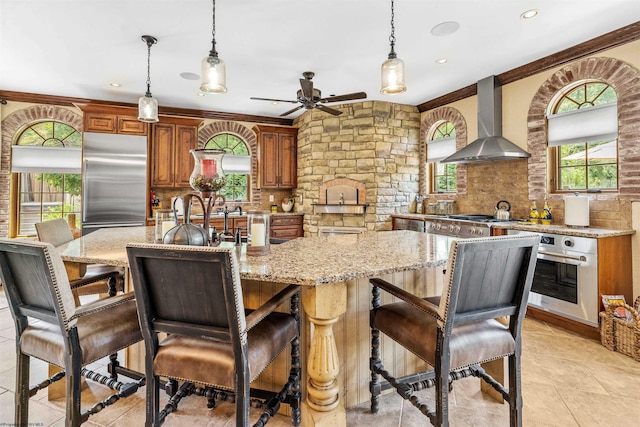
72	139
555	152
438	131
212	144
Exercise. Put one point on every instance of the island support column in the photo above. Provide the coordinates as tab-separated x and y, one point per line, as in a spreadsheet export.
323	305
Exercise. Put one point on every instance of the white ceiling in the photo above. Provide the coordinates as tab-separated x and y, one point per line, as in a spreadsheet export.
75	48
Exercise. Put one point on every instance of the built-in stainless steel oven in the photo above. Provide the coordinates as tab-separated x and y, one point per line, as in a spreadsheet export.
566	277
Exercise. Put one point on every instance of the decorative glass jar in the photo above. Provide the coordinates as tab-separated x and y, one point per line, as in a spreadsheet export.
258	232
207	176
164	223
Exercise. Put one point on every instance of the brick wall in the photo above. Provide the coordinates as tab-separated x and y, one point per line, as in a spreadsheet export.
373	142
606	210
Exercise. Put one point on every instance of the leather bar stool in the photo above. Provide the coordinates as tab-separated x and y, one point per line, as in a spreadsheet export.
214	347
51	328
487	279
98	278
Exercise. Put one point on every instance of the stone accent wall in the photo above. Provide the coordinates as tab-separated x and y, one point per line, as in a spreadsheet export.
373	142
12	125
607	210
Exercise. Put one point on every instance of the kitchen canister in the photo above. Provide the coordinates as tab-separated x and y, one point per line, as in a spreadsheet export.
576	211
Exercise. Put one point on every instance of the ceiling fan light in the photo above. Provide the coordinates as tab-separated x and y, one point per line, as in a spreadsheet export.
393	76
148	109
214	75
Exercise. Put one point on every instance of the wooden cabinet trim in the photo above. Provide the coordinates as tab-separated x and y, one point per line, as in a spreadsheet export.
104	123
132	126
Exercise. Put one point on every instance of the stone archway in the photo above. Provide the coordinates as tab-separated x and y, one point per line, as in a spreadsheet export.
454	116
11	126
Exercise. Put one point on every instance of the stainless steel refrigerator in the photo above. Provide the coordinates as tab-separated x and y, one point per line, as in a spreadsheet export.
114	181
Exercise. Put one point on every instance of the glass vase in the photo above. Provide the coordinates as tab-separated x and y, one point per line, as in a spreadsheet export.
207	176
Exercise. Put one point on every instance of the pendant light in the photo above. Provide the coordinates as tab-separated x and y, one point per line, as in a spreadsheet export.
214	74
147	105
393	67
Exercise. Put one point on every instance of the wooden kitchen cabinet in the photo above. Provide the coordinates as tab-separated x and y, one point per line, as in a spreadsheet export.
278	158
112	119
172	139
286	226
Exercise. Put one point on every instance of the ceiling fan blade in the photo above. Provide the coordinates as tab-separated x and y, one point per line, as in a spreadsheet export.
273	100
291	111
328	110
307	88
347	97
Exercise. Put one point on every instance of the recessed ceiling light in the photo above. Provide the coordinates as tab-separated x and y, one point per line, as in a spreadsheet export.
529	13
275	102
441	61
200	94
114	84
189	76
445	28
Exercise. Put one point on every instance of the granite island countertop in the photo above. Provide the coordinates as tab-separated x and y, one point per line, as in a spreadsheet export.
308	261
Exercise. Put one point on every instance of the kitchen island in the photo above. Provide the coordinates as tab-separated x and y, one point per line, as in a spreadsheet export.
334	272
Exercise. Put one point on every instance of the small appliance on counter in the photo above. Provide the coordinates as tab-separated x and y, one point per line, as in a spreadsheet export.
576	211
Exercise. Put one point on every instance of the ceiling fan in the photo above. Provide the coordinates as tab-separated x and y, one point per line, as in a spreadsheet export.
309	97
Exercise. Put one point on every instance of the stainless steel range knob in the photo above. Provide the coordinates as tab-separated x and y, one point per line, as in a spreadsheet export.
480	231
438	226
457	228
452	228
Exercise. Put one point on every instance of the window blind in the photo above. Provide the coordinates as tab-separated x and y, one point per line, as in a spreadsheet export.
599	123
439	149
36	158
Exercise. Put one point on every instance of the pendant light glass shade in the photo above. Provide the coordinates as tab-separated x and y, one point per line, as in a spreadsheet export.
393	68
393	76
213	71
148	109
214	75
147	105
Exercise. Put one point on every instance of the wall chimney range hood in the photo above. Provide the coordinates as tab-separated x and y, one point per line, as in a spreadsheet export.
490	145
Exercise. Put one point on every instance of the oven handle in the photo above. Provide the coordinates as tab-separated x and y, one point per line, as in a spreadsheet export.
575	257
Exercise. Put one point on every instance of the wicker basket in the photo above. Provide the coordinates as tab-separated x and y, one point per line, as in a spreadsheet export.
617	334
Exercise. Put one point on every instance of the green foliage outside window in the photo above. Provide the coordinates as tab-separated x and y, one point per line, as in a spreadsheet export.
237	186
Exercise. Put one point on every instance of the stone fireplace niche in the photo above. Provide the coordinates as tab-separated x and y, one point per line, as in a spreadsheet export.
341	196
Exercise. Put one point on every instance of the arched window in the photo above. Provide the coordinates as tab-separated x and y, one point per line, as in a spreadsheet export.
49	182
237	187
441	144
582	136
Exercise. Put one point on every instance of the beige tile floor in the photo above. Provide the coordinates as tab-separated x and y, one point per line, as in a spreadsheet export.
567	381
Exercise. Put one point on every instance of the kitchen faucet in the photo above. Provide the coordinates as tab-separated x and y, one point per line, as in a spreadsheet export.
238	208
